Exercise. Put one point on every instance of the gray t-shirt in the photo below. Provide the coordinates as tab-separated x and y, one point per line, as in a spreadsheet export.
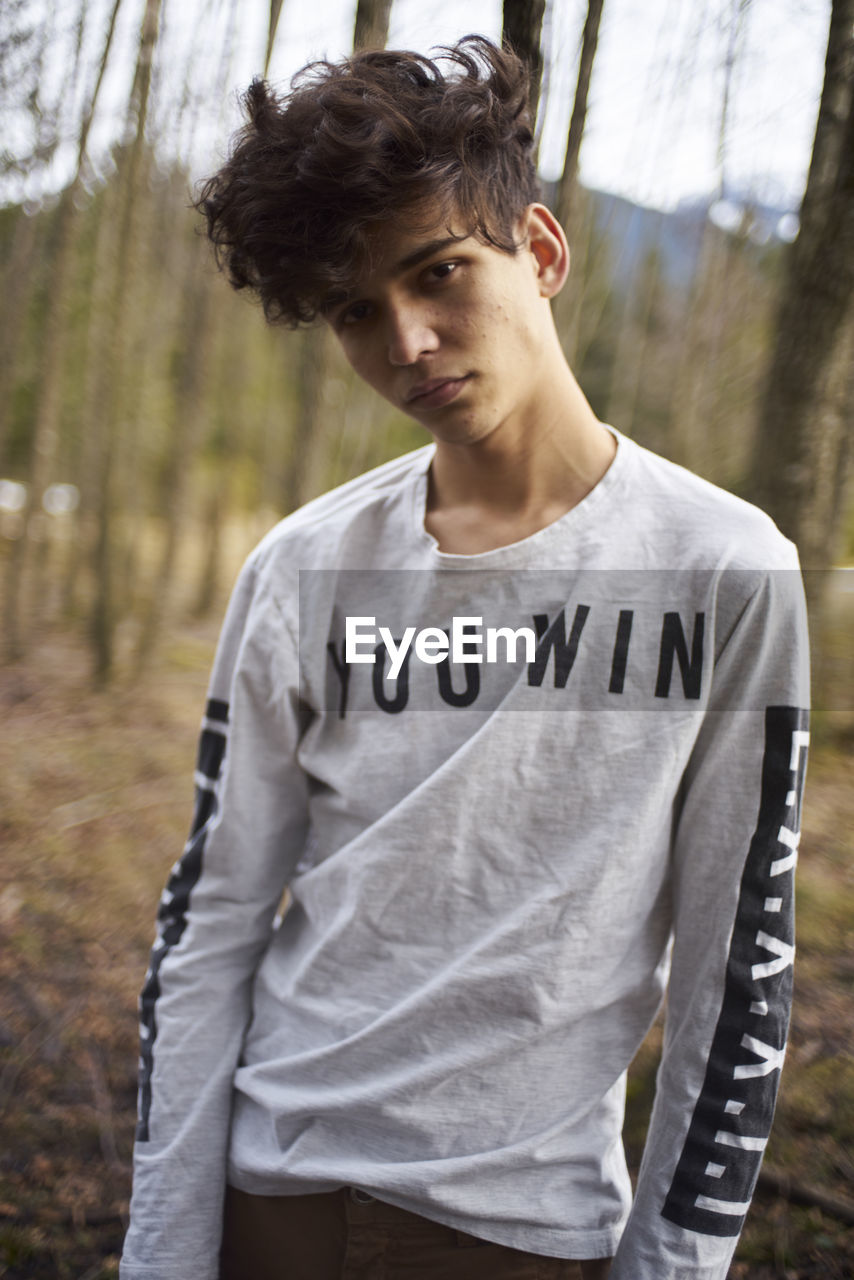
492	868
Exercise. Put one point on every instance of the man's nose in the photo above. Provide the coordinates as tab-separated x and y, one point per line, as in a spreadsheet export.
410	334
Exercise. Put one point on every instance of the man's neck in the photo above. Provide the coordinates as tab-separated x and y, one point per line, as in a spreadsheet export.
522	477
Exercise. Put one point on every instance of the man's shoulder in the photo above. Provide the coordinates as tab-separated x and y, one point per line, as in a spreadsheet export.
702	524
318	529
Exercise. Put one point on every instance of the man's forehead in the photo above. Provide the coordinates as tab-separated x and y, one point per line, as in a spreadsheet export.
416	225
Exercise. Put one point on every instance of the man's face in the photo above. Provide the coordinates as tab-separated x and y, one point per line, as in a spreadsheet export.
452	331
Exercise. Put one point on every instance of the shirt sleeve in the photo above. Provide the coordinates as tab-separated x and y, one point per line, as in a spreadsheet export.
214	923
734	852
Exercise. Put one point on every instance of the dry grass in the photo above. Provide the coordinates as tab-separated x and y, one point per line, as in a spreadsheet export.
94	798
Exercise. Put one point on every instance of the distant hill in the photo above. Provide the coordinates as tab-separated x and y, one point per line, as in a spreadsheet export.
633	230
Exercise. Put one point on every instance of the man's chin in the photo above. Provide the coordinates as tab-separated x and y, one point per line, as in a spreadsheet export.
462	434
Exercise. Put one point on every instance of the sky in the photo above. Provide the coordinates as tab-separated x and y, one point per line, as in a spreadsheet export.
654	123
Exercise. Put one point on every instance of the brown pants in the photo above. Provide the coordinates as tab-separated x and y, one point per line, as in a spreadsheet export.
346	1235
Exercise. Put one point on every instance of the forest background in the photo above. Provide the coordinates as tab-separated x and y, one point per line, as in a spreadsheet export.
152	428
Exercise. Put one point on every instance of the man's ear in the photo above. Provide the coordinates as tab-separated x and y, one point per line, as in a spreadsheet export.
546	240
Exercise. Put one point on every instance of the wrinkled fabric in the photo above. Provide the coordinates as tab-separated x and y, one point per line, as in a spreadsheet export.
491	870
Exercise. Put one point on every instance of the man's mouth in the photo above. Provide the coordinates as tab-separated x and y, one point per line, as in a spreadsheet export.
435	392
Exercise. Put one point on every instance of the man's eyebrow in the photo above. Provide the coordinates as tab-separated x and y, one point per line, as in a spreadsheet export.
337	297
426	251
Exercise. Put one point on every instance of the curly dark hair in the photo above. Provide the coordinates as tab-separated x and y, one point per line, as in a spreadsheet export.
357	143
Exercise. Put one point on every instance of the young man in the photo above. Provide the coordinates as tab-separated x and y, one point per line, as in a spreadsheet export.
497	840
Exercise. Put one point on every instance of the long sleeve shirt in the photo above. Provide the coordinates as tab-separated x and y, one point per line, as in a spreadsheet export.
493	871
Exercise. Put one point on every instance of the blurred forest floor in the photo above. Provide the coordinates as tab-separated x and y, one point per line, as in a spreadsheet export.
95	795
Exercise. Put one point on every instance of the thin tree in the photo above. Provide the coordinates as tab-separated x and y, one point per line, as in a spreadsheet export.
633	337
370	30
53	351
194	362
22	53
111	396
193	327
567	304
275	14
522	32
694	383
17	277
566	190
317	356
803	443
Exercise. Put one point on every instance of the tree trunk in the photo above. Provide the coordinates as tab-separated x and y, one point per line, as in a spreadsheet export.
215	510
275	13
21	594
310	424
370	31
803	442
523	25
690	395
565	201
225	446
97	341
632	340
693	397
110	399
17	277
191	324
371	27
189	409
567	304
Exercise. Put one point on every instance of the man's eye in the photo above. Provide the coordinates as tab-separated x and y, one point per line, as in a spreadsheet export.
355	312
442	270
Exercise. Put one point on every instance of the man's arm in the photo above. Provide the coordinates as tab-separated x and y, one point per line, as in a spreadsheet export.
214	923
729	996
